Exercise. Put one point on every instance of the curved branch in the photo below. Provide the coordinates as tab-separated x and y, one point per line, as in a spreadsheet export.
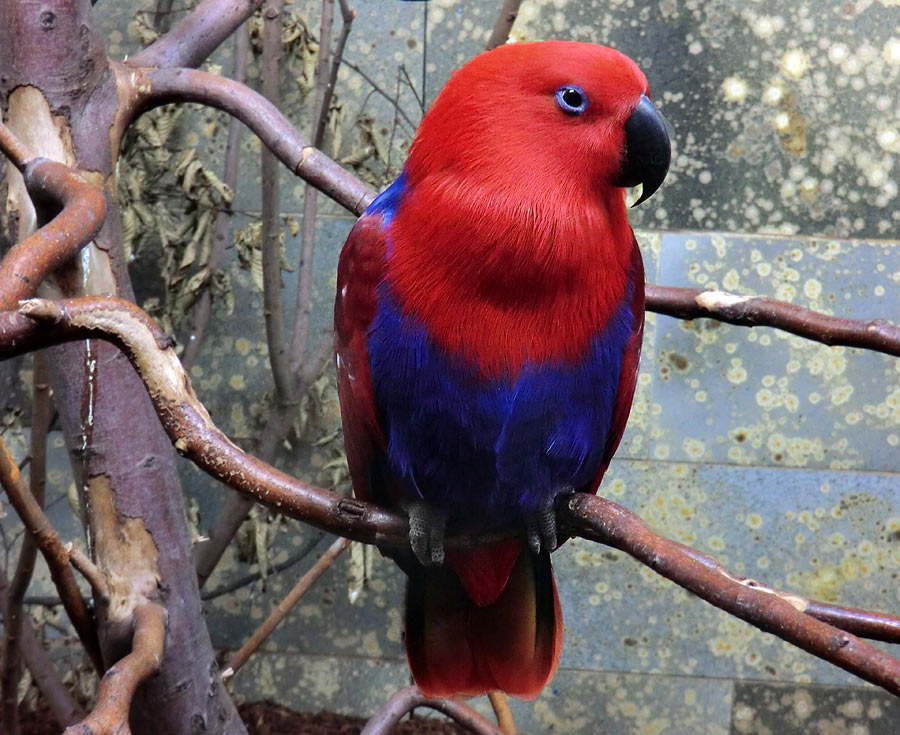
407	699
184	417
153	87
195	436
54	244
755	311
196	35
509	11
601	520
120	682
13	148
53	551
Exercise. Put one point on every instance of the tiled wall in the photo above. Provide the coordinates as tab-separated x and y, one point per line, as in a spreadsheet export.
775	455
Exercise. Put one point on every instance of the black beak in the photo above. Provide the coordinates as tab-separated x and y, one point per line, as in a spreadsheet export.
647	149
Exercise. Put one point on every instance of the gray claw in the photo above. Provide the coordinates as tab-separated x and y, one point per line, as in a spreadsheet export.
541	527
426	533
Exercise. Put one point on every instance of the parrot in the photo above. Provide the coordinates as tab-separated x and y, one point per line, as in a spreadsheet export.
488	324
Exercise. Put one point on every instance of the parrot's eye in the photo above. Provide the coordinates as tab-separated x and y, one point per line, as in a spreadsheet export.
571	99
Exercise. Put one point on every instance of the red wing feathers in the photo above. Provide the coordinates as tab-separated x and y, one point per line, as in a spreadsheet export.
631	359
360	270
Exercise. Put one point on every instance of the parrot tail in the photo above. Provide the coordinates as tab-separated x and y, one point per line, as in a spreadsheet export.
487	620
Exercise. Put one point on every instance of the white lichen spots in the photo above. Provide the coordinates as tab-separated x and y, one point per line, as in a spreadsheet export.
837	53
716	543
700	396
765	26
693	448
794	63
812	288
889	140
841	394
891	51
237	382
773	94
736	374
661	451
704	177
802	704
754	521
735	89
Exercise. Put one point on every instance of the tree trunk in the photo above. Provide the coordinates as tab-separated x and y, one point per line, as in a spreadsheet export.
59	93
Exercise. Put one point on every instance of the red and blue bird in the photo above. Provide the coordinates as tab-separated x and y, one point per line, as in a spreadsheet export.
488	318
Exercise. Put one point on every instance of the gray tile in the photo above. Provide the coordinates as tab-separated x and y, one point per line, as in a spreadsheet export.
770	709
784	113
824	535
762	396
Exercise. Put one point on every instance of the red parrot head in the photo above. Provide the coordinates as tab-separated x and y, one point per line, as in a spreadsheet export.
552	116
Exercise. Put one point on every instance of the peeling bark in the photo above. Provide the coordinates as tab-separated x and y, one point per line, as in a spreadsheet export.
61	95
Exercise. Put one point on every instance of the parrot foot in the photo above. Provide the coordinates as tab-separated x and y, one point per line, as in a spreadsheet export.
426	533
541	527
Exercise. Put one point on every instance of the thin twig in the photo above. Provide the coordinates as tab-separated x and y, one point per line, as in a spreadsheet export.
196	35
500	705
64	708
509	11
41	414
284	607
273	311
203	308
248	579
375	86
756	311
54	553
90	571
405	700
120	682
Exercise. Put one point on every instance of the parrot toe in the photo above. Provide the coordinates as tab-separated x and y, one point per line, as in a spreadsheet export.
541	527
426	533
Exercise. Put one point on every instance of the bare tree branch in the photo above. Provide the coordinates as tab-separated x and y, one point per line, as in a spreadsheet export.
195	436
65	709
304	365
203	307
405	700
53	551
119	683
196	35
273	311
90	571
84	207
41	413
504	715
509	11
755	311
153	87
243	654
601	520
